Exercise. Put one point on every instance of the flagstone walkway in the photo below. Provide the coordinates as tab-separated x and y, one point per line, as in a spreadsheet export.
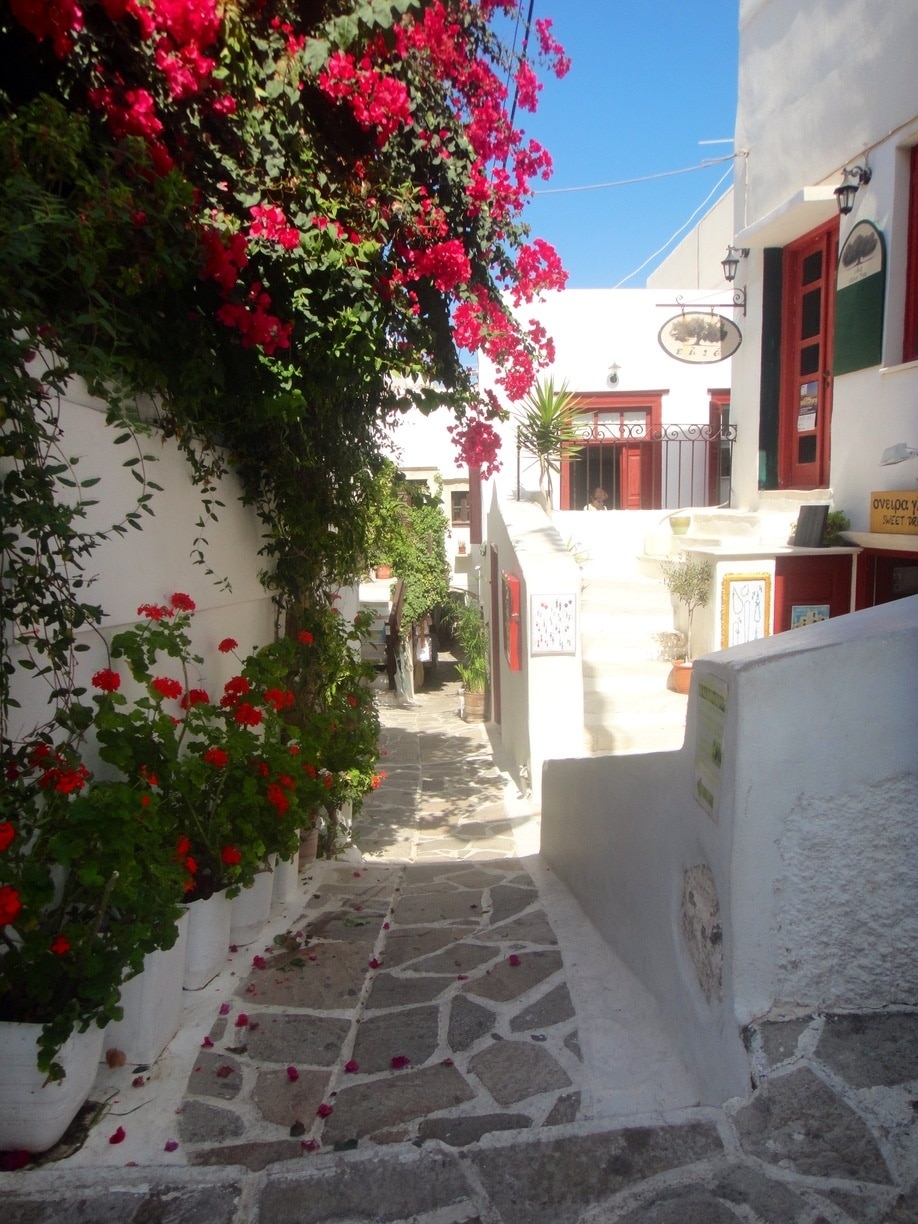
434	1032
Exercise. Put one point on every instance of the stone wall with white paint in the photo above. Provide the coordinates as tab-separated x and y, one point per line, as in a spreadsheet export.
785	883
541	704
147	566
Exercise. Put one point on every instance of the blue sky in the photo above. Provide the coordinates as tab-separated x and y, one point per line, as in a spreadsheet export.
650	79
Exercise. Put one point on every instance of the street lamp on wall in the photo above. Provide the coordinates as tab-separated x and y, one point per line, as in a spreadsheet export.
730	262
851	179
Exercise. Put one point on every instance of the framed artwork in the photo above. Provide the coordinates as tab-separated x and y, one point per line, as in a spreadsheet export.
553	624
808	614
745	608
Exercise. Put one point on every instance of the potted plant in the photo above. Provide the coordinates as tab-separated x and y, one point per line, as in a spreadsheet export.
471	634
88	888
547	428
688	580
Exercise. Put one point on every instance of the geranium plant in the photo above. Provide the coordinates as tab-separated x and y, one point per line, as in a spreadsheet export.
86	891
225	770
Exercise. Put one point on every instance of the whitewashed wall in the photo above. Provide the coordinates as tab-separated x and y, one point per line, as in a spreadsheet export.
824	85
542	703
696	261
150	565
811	849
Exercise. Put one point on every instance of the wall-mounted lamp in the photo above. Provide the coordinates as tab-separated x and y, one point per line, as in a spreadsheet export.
851	180
730	263
897	454
612	377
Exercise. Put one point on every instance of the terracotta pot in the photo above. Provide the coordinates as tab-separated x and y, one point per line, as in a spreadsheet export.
682	676
383	571
473	707
36	1114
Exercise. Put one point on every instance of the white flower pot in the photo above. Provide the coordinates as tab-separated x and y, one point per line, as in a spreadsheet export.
152	1003
208	940
34	1114
251	910
286	886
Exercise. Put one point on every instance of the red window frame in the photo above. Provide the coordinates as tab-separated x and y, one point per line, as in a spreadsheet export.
910	338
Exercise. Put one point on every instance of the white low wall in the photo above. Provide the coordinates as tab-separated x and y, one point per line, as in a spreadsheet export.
791	888
542	702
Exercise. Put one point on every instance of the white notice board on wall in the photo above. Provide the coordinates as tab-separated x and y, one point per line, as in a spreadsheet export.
709	743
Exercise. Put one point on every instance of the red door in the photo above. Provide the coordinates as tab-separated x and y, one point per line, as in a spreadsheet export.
806	359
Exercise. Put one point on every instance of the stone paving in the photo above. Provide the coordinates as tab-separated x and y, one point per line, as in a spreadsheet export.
419	1038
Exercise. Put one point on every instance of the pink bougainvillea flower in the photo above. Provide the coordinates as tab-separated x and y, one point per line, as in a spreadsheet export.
207	1044
7	833
166	686
170	1145
184	603
325	1110
513	960
118	1137
292	1074
224	1072
224	1009
258	962
352	1067
60	946
462	977
310	1145
242	1020
356	875
447	1062
107	680
227	645
230	856
138	1081
399	1061
374	962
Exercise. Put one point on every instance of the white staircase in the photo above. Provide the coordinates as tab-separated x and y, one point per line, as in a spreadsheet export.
628	706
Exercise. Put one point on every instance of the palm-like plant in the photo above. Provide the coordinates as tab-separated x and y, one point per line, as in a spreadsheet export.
546	427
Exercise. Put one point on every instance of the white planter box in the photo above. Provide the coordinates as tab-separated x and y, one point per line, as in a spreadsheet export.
152	1003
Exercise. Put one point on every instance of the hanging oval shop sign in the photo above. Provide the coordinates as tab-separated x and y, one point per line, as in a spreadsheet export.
700	339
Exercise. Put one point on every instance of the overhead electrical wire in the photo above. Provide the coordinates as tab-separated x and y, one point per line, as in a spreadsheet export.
682	227
647	178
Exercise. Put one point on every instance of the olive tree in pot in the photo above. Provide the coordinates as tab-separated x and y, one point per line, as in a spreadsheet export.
688	579
471	634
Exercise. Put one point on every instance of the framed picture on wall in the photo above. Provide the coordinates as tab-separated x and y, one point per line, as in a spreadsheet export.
745	608
553	624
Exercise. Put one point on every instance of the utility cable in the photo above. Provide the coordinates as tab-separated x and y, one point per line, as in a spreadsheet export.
647	178
674	236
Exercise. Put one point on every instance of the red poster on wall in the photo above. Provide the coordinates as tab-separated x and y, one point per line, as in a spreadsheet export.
511	618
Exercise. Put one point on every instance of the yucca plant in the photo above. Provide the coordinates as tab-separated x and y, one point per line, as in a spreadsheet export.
546	426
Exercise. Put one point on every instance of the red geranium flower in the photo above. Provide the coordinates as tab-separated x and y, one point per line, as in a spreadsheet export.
107	680
277	797
60	946
279	698
216	757
227	645
7	833
184	603
194	697
154	612
305	637
233	690
182	846
230	855
166	686
10	905
246	715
